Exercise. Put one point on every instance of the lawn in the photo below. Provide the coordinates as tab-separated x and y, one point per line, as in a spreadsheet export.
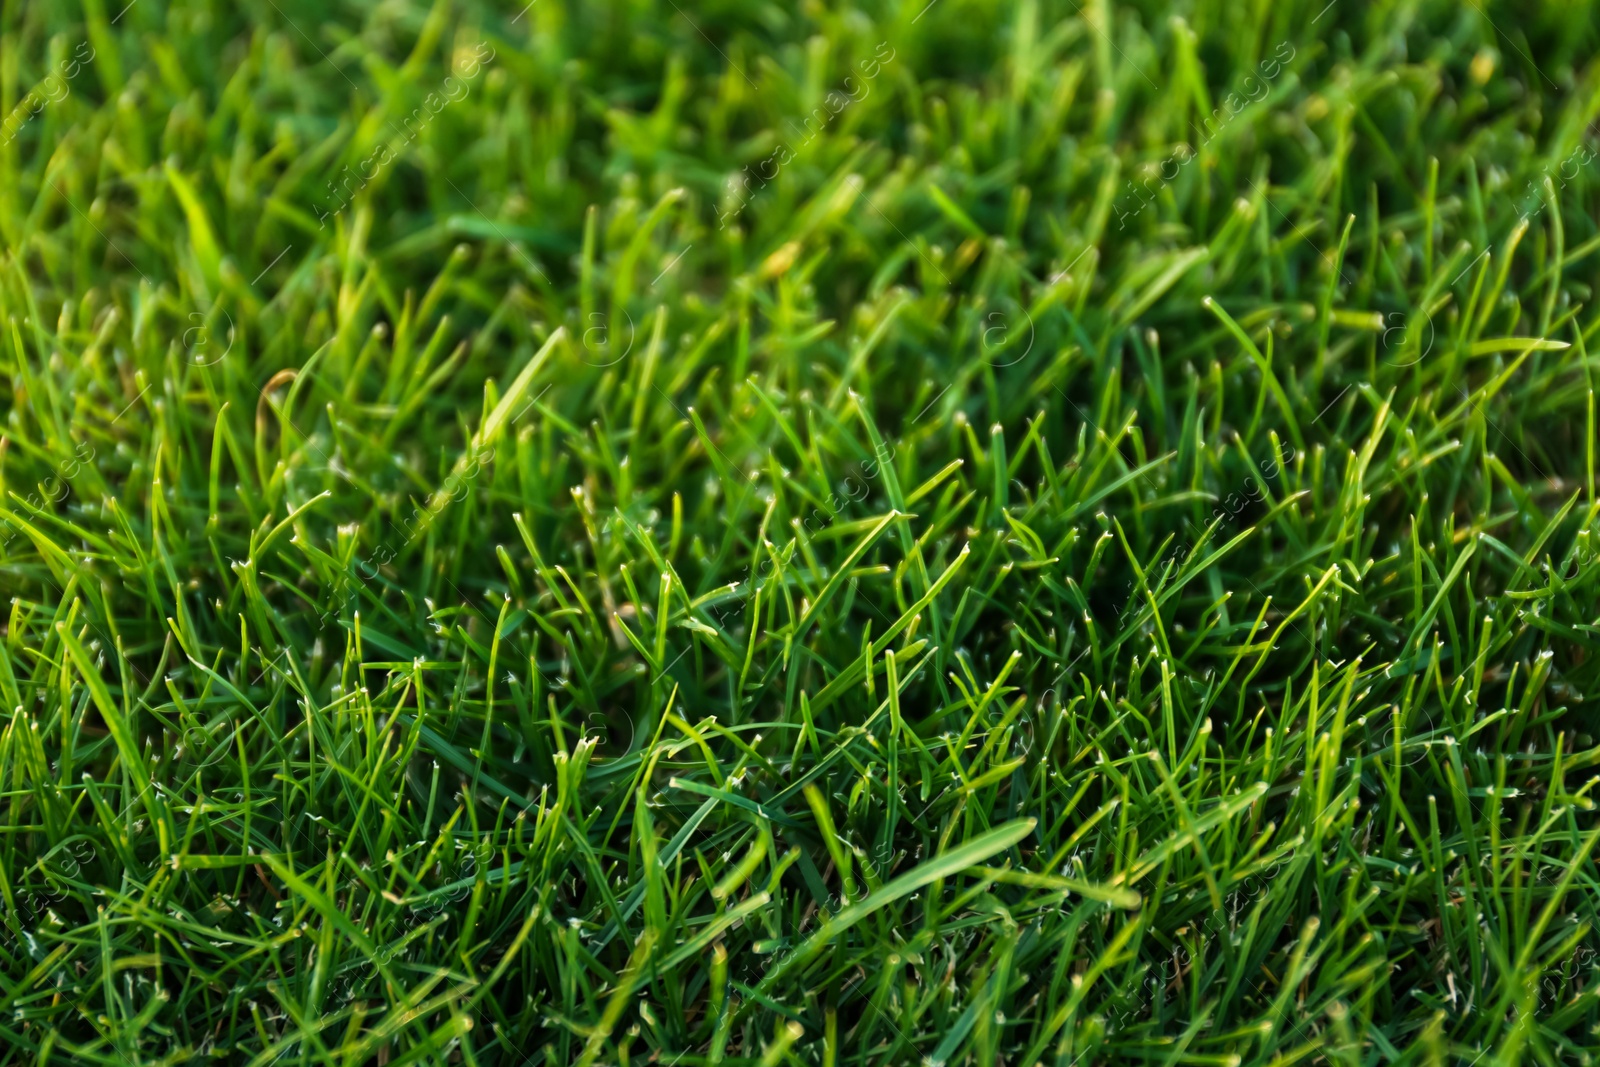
829	534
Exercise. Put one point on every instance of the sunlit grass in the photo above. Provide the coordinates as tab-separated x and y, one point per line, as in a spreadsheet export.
956	533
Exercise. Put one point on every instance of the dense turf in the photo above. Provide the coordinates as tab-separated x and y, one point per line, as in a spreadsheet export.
816	534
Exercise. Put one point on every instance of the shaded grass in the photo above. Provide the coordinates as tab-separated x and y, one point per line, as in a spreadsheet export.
483	610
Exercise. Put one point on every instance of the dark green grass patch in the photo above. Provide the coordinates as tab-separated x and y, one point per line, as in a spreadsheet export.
798	534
